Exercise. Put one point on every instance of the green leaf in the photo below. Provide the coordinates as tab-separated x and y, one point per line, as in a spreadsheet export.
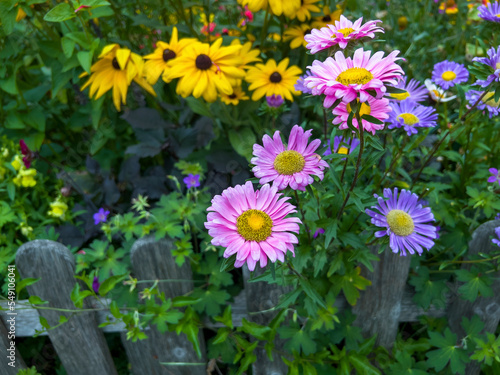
448	352
312	293
372	119
85	59
110	283
35	300
242	141
60	13
299	340
68	46
199	107
476	284
24	283
362	365
254	329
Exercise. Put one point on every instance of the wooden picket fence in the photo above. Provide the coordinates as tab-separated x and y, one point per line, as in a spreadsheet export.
82	348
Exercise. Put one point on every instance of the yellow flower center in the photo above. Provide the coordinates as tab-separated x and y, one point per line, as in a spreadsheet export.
408	118
400	222
364	110
254	225
438	95
401	96
343	150
497	66
489	99
448	75
345	32
358	76
289	162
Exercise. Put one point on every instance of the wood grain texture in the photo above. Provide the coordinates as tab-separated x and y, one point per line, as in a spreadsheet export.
152	260
79	343
487	308
379	307
5	368
263	296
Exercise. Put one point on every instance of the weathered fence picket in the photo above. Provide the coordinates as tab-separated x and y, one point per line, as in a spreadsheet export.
79	343
153	260
81	346
263	296
378	309
487	308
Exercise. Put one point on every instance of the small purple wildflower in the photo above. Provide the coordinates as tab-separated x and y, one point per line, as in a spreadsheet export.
96	284
404	220
415	91
299	86
274	101
337	148
495	240
192	180
497	217
447	74
490	12
101	216
493	61
410	115
486	103
495	175
318	232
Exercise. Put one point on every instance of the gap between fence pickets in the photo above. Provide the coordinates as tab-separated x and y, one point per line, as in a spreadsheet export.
27	320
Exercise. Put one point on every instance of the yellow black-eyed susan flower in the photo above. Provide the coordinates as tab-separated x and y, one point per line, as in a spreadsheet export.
306	7
116	69
161	59
234	98
295	35
273	79
207	70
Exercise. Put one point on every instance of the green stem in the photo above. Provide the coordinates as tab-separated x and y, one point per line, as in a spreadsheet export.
358	163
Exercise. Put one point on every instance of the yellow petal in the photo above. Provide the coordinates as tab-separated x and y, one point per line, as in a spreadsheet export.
122	56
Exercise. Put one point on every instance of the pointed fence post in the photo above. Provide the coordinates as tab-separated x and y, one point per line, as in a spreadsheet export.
79	343
379	306
263	296
153	260
487	308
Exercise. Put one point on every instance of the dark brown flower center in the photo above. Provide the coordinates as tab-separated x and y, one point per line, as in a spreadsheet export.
275	77
203	62
232	96
308	31
327	18
115	64
168	55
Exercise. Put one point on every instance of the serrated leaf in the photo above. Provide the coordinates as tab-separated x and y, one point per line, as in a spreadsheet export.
60	13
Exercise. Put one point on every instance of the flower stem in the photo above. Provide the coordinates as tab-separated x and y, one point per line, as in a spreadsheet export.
303	216
358	163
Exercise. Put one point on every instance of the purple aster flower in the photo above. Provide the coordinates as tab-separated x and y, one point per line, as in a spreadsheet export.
415	91
493	61
449	73
96	284
299	86
101	216
404	220
410	115
490	12
495	240
344	149
497	217
495	175
318	232
274	101
486	103
192	180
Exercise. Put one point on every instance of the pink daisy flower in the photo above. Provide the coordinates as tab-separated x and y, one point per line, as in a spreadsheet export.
292	165
378	108
252	224
343	78
341	33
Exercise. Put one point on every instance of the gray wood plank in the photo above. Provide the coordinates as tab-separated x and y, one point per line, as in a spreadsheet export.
487	308
263	296
379	307
17	362
153	260
79	343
